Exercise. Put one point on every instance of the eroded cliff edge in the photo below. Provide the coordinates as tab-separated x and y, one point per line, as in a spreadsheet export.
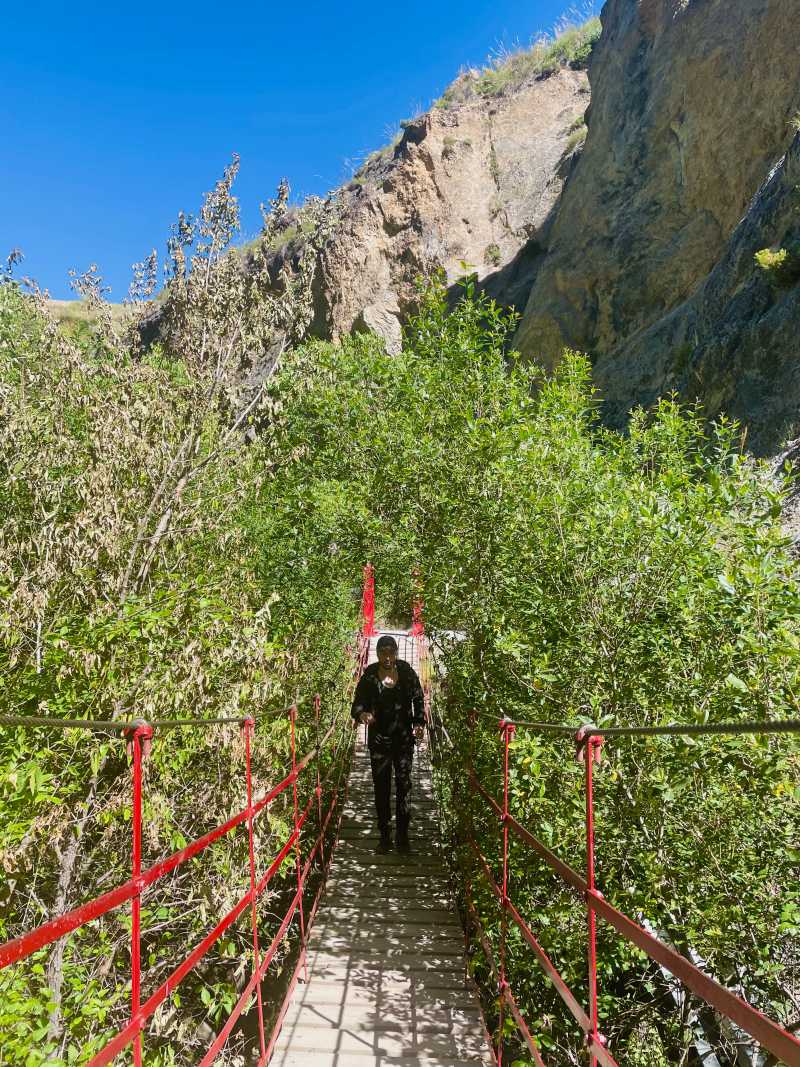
636	246
474	183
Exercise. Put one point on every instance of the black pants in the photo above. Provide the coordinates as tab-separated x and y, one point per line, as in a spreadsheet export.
383	760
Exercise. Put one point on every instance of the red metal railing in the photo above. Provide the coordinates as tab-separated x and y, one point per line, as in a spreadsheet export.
140	738
589	741
368	602
417	608
782	1044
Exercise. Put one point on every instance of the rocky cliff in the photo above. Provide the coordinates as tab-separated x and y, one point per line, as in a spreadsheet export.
637	247
474	182
688	171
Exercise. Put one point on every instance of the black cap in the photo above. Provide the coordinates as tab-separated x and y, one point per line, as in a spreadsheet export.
386	642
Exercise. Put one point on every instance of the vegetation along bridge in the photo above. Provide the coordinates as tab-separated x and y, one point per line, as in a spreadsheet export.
379	973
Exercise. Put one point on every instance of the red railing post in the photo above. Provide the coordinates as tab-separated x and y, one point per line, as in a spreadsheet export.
142	733
470	829
293	717
589	752
248	726
507	728
317	706
368	602
417	625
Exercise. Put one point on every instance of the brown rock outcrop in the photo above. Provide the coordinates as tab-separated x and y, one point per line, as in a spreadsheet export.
691	108
471	183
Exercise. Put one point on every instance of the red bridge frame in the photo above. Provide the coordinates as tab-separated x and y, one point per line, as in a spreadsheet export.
589	742
140	738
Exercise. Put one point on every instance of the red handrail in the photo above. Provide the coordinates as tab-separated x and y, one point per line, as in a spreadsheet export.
781	1043
141	739
51	931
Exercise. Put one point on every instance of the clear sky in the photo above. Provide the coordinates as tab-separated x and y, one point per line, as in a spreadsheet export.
115	117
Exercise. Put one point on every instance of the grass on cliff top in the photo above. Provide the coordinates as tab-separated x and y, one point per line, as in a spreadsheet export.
569	46
379	156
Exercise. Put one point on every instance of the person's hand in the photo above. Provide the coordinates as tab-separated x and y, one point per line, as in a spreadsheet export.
418	732
366	718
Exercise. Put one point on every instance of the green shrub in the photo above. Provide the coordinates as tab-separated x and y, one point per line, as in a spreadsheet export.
132	585
637	578
491	255
681	358
578	132
781	266
449	147
627	579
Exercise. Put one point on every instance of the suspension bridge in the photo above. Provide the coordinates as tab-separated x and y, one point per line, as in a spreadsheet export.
380	976
386	980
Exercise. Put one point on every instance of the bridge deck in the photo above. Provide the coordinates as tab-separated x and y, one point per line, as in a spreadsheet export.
386	953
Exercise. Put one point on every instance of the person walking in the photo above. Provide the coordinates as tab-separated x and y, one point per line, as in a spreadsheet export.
390	702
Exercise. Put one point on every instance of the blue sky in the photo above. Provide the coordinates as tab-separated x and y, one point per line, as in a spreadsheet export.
113	120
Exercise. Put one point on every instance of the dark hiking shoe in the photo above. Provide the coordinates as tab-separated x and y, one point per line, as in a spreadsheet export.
384	845
403	845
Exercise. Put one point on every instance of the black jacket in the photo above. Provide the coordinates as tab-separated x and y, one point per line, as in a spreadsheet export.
397	709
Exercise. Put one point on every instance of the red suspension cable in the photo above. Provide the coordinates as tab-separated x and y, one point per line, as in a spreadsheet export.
368	602
417	608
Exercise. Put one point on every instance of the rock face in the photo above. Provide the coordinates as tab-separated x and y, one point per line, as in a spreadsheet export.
682	179
638	250
734	343
474	183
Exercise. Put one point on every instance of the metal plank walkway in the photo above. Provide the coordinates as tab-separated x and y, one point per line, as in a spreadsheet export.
386	953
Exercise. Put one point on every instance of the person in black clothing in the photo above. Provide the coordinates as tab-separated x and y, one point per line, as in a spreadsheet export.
390	702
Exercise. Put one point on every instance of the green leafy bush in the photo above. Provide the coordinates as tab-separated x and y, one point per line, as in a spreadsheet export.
133	586
781	266
491	255
577	134
591	576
